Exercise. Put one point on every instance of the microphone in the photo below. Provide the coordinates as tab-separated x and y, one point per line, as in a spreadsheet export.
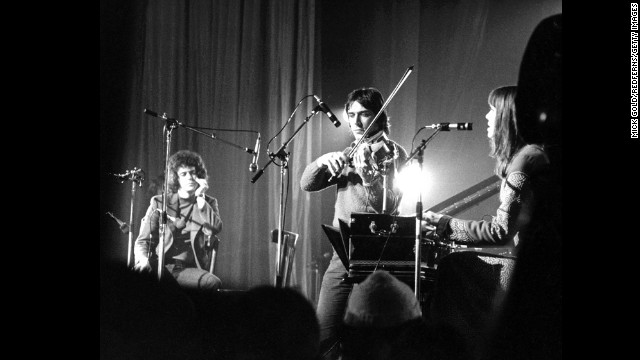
135	175
325	109
123	225
151	112
120	176
256	153
448	126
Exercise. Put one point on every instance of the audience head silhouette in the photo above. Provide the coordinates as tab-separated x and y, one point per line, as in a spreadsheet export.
275	323
381	301
142	318
383	320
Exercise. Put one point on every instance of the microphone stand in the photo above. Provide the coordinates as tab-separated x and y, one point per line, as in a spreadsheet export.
170	124
384	189
136	176
130	243
418	153
283	155
385	185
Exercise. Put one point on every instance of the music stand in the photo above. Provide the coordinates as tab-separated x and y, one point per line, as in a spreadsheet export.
337	241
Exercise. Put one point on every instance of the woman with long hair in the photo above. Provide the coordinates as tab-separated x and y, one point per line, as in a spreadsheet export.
519	163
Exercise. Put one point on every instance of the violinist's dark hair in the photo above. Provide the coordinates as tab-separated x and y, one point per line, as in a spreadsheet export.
371	99
506	140
184	158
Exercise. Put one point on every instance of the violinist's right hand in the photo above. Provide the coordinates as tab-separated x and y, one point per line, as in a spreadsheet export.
334	162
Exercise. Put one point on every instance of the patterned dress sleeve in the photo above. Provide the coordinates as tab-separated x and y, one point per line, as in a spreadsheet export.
504	226
513	214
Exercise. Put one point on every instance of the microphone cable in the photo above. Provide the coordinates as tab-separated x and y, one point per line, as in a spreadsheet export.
394	217
285	125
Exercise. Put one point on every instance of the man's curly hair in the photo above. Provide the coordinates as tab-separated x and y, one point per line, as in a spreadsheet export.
185	158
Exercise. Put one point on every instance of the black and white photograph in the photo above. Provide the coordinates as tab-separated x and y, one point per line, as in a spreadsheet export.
333	179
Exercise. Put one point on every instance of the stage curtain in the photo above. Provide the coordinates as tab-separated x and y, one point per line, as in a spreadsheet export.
241	65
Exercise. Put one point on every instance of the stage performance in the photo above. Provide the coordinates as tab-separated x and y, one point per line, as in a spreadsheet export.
331	180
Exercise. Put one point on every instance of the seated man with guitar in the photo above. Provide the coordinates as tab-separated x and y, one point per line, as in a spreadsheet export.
192	222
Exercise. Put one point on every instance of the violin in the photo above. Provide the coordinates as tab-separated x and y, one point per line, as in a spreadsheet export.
382	152
379	144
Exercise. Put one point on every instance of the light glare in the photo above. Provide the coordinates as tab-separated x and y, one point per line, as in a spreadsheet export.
411	181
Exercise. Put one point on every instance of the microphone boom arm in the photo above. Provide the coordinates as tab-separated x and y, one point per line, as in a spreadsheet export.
283	156
420	148
281	153
211	135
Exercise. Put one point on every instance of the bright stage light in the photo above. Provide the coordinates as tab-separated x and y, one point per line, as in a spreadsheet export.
411	181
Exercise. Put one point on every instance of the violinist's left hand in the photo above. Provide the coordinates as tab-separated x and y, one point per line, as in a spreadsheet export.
363	157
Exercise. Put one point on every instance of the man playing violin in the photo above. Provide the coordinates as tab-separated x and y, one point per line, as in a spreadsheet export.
359	181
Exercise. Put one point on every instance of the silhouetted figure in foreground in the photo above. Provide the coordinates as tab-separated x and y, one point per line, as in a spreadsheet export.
272	323
530	325
142	318
383	320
